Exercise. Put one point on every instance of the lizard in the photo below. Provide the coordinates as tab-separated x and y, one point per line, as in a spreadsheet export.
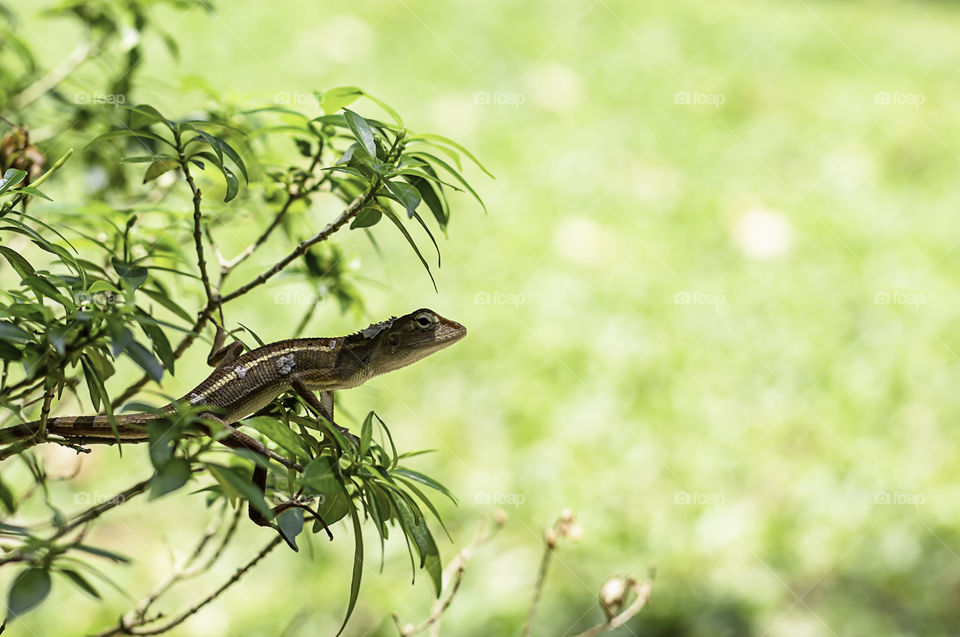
244	383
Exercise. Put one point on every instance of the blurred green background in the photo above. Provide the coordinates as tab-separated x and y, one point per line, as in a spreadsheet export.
712	309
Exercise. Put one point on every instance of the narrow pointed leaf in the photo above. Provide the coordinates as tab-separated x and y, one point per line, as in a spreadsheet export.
361	131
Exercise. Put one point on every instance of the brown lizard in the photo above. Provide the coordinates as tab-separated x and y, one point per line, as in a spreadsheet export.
242	384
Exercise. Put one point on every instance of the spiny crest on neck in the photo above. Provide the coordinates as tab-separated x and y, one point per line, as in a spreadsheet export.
374	329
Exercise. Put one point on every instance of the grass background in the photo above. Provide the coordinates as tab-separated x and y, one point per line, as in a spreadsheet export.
723	333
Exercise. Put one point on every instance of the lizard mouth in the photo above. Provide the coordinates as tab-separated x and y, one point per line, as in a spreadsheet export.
450	333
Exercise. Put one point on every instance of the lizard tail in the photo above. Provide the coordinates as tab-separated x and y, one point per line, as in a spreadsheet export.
76	427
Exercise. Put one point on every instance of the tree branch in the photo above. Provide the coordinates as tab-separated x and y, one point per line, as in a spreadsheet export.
197	219
156	630
349	213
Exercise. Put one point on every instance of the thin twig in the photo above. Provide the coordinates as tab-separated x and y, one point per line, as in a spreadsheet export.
349	213
156	630
452	576
45	411
56	75
642	590
295	192
197	221
538	586
137	615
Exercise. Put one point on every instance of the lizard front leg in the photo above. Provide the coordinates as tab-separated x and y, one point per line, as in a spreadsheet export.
323	404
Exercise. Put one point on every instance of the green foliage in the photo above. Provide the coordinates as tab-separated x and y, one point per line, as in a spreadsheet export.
101	284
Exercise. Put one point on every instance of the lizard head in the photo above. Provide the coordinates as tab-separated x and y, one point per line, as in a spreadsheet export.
398	342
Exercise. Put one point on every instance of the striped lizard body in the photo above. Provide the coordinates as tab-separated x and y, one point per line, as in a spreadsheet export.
245	384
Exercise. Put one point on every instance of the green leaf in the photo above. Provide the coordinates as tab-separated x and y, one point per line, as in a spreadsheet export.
96	550
145	359
236	484
366	434
279	433
361	131
160	167
233	184
357	566
320	475
96	388
161	437
415	526
408	195
290	523
29	589
134	275
145	159
6	497
144	115
392	217
366	218
392	113
450	169
161	345
432	137
423	498
429	196
126	132
120	337
338	97
332	508
163	298
173	475
11	178
427	480
14	334
232	154
33	192
17	262
204	136
80	582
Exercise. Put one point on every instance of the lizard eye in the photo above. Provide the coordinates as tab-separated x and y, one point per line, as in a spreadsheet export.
394	340
424	321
